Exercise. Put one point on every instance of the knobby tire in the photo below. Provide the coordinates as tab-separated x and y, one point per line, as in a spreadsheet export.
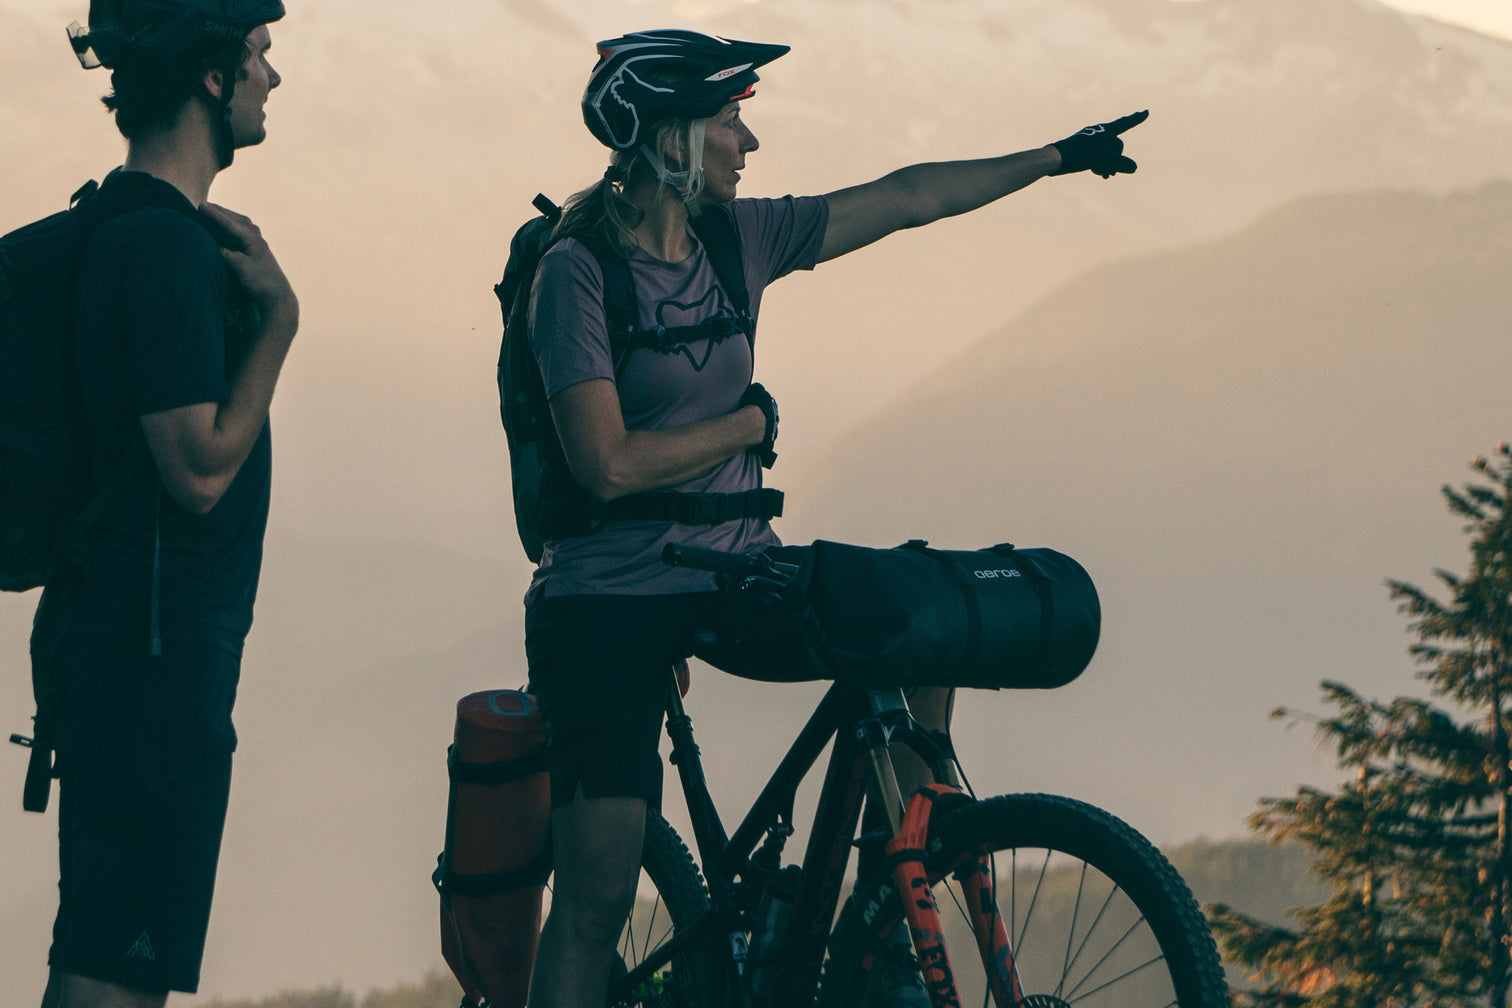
1096	916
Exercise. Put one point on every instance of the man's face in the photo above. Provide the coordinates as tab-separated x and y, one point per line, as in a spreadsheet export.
255	80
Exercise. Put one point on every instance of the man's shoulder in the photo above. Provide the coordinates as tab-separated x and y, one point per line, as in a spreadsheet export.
153	242
148	214
154	227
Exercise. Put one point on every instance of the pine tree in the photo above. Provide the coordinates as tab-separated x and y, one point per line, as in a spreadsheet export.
1416	846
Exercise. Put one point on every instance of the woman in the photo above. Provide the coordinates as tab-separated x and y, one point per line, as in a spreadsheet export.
605	619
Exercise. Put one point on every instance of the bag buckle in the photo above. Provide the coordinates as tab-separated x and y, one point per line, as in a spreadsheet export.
705	509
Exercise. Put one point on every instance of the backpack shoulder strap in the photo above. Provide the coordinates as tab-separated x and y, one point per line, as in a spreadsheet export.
621	306
720	235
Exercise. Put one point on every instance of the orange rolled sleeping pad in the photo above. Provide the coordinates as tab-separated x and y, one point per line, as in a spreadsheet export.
498	846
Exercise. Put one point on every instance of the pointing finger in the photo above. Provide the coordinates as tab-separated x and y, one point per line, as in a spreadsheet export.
1127	122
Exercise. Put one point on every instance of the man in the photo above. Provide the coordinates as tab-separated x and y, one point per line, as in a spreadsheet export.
182	319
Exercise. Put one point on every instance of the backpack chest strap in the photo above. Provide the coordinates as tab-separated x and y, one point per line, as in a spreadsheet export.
666	339
764	503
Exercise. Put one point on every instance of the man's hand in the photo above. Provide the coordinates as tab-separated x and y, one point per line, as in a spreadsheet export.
759	397
1099	149
251	261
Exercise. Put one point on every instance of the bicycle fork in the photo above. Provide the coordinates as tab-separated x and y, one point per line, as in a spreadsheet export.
906	852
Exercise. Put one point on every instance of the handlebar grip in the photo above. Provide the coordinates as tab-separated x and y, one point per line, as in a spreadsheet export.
718	561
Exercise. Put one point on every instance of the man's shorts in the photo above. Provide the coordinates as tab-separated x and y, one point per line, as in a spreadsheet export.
600	666
144	757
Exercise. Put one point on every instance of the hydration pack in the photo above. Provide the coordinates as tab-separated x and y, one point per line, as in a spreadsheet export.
548	502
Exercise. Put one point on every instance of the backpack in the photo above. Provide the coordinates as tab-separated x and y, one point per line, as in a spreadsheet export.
48	499
548	502
45	479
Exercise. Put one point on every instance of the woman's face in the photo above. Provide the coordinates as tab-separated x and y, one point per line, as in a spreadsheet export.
727	141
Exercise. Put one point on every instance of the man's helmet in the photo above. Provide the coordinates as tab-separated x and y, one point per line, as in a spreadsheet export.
161	32
645	78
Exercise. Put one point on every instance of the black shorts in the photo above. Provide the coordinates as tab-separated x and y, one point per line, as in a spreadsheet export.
599	664
144	758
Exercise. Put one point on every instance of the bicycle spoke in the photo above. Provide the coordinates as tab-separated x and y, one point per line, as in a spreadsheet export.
1071	933
1109	955
1033	899
1101	952
1069	960
1075	998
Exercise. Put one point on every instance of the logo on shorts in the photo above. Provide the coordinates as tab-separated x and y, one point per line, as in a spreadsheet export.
142	949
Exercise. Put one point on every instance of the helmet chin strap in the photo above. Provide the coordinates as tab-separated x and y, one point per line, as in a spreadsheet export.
224	138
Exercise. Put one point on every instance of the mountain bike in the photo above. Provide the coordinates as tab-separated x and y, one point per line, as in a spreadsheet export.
1017	901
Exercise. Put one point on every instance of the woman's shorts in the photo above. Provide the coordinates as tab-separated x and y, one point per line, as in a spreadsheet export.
144	758
600	667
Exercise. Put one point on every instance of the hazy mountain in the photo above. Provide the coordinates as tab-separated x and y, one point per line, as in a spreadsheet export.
1241	441
406	144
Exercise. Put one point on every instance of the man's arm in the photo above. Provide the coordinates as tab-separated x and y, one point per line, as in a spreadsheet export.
199	449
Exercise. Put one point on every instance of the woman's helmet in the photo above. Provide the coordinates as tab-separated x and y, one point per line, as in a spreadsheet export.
159	33
645	78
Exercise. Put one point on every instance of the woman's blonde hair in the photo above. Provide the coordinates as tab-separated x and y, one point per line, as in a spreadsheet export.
602	212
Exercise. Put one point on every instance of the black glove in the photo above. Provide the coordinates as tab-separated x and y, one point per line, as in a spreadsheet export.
759	397
1098	149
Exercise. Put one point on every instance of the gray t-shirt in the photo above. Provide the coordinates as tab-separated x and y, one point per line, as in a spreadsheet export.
696	381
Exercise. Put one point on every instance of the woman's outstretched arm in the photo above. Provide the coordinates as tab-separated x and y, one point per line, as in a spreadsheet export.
924	193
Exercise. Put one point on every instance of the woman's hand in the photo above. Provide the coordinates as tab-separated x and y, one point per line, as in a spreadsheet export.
756	395
1099	149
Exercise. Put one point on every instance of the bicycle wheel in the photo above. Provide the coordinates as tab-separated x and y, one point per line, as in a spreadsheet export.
1095	915
672	896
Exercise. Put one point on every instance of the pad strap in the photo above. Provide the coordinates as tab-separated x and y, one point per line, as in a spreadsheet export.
502	772
449	883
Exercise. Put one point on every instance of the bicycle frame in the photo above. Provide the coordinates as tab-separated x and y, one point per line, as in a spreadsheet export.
860	725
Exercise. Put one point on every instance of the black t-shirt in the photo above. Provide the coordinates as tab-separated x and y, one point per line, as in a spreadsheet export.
159	323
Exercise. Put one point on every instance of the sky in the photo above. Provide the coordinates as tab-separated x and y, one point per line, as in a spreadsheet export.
1493	17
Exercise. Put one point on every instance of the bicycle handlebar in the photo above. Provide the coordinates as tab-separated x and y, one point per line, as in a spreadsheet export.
740	565
702	558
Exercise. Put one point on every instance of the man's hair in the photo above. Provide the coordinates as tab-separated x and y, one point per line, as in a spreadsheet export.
146	96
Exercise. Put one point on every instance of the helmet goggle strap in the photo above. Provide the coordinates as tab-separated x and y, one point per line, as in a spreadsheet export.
78	37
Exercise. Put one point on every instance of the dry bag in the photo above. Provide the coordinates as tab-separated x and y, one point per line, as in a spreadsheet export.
498	855
996	618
